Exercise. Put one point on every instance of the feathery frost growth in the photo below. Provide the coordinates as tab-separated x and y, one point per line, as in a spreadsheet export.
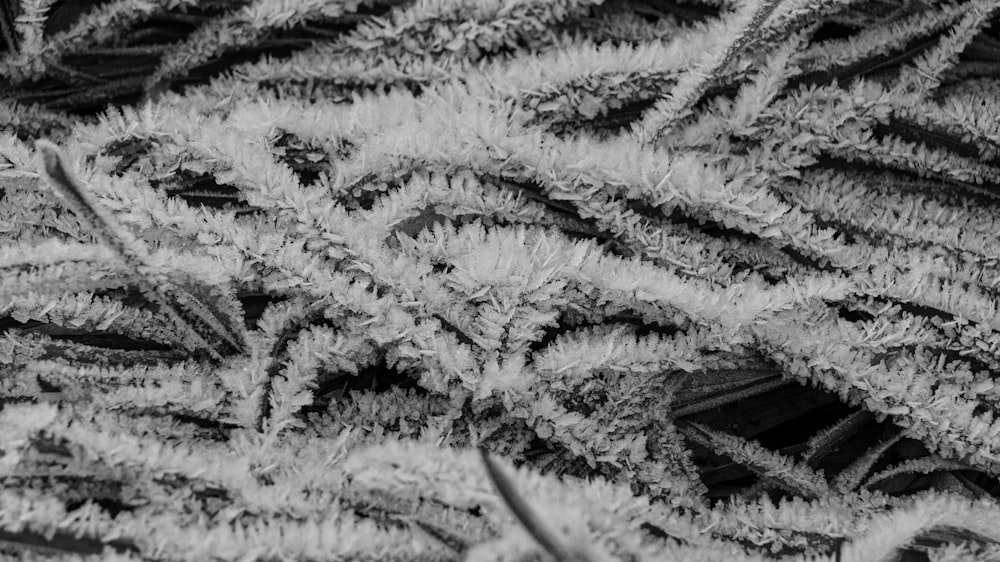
700	280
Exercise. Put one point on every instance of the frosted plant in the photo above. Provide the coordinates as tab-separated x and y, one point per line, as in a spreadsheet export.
718	278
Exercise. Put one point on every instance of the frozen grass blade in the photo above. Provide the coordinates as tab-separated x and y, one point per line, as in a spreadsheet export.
541	531
206	327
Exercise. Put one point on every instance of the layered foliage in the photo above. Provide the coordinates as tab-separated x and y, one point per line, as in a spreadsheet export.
718	278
